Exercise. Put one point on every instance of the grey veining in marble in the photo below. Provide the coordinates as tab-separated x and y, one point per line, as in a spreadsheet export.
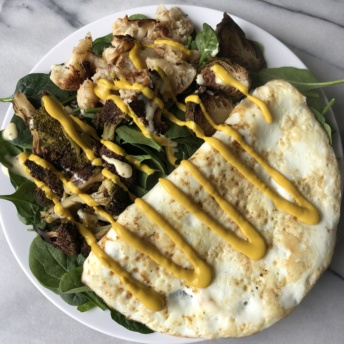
313	30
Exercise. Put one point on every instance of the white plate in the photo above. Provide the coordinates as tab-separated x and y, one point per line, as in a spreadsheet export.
19	239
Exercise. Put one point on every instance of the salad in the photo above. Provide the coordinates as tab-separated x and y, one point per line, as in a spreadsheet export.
135	143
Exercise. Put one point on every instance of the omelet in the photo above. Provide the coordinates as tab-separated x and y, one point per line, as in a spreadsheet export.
246	293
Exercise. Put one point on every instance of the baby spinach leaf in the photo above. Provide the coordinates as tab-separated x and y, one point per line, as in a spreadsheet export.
70	282
130	324
77	299
132	135
101	43
24	201
7	150
92	297
32	85
302	79
24	139
137	17
207	43
49	264
85	307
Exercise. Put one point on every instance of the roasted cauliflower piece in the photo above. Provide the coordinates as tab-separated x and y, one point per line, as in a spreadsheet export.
179	25
81	65
180	75
86	98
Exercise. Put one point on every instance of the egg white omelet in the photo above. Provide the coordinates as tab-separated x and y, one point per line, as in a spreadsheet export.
245	295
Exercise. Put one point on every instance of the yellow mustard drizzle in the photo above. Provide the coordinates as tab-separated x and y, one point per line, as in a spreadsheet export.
115	148
303	209
146	295
254	248
103	91
135	58
202	274
56	110
226	78
171	157
85	127
174	44
200	277
167	84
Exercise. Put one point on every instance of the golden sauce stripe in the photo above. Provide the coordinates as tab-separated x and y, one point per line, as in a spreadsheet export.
150	298
304	211
202	274
200	277
85	127
255	247
103	91
135	58
227	79
167	84
174	44
115	148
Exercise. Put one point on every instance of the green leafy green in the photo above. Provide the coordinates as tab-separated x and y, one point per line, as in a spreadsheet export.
133	135
101	43
302	79
306	83
33	85
24	201
24	139
130	324
70	282
48	264
137	17
62	275
207	43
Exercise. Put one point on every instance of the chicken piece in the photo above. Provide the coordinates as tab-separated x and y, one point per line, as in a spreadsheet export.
86	98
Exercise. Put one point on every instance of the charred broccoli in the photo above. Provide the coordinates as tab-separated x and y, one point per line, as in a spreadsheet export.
52	143
112	197
64	235
107	119
46	176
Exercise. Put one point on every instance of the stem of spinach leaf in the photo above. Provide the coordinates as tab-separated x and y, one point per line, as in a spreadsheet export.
6	100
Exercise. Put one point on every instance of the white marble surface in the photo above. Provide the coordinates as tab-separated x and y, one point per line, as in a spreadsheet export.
314	30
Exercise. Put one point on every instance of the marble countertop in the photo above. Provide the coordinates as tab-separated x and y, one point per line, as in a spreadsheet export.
313	30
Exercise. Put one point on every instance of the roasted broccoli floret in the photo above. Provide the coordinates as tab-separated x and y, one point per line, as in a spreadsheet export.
42	200
107	119
112	197
51	142
46	176
64	235
119	201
